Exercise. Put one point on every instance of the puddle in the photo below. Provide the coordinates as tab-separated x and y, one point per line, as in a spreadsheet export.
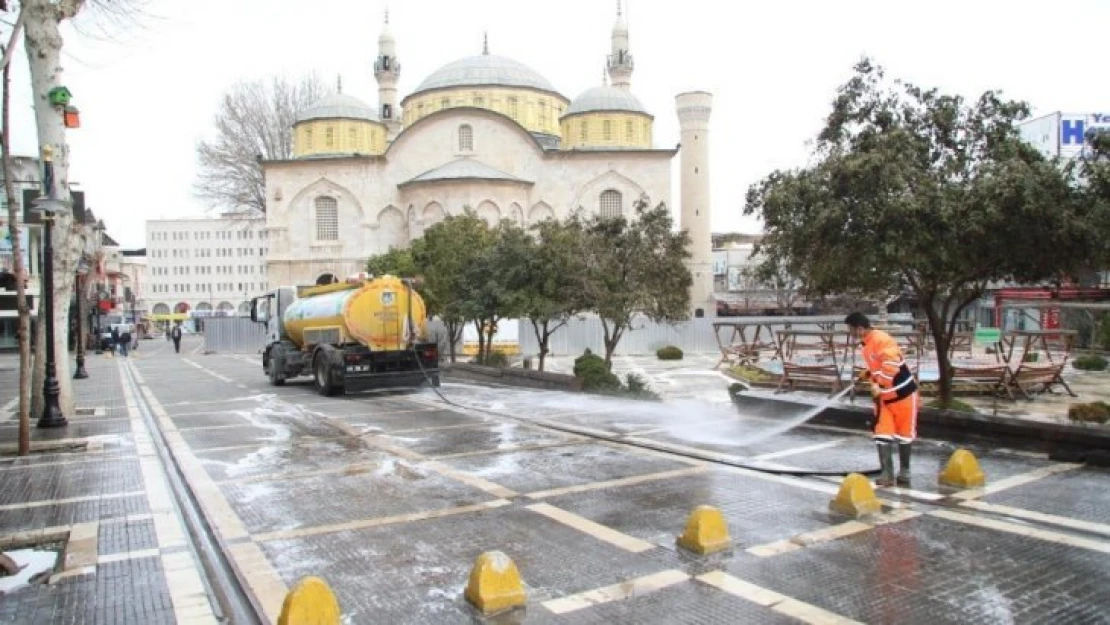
35	568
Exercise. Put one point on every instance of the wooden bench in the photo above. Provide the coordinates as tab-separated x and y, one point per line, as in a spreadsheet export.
1031	378
814	375
993	378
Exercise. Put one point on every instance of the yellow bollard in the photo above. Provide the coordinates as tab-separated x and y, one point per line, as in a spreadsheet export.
706	531
495	584
311	602
962	471
856	497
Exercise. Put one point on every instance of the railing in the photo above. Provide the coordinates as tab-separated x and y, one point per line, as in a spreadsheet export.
233	335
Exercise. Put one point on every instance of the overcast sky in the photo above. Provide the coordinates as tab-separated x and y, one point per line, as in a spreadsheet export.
148	94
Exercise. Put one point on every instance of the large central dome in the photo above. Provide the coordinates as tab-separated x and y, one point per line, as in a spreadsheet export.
483	70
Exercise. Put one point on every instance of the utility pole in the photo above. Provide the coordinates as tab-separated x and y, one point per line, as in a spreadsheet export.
50	206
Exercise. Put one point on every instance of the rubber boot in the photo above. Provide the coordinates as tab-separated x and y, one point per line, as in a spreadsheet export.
886	462
904	463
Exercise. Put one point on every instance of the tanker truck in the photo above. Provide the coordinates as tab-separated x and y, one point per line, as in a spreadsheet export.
352	336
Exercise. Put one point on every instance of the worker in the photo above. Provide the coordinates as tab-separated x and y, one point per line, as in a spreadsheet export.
896	396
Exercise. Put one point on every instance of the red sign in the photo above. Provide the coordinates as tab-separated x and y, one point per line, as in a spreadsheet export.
1050	319
105	305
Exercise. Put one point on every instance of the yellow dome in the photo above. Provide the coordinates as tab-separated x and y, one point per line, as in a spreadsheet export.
338	124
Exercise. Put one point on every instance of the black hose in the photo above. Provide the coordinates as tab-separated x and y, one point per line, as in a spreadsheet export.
621	440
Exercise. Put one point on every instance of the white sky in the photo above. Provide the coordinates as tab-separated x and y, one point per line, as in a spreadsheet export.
149	94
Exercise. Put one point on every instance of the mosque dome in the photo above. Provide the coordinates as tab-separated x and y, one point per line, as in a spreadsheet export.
605	98
338	106
485	70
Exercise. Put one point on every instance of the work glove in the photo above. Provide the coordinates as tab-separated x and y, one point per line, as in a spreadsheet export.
865	376
876	391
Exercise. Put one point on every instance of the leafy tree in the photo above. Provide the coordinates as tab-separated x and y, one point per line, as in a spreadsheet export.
449	248
493	281
254	122
399	262
551	276
634	267
1093	172
773	273
917	189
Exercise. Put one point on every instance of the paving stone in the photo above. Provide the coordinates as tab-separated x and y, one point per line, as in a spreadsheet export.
543	469
243	435
391	488
44	483
757	511
228	464
54	515
479	438
210	419
419	417
428	563
1079	494
930	570
121	537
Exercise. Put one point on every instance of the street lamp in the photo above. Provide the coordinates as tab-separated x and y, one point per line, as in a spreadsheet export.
82	332
50	206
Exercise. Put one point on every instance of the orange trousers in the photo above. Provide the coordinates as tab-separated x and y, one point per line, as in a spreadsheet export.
897	421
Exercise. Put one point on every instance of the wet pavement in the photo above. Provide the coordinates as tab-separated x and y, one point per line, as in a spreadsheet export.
391	497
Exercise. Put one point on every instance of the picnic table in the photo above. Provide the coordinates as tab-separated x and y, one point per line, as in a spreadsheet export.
1025	375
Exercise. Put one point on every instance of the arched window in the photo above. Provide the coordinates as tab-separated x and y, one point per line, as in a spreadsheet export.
629	133
466	138
607	130
329	137
352	138
610	204
327	219
585	130
308	139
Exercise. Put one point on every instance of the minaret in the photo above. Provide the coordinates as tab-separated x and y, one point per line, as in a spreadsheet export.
387	70
620	58
693	118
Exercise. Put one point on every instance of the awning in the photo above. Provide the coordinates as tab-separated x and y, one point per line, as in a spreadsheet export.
169	317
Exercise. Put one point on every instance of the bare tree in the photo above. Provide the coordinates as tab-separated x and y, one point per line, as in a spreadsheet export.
254	121
20	272
41	21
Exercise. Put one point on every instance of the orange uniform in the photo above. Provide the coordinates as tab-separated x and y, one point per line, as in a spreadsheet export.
899	399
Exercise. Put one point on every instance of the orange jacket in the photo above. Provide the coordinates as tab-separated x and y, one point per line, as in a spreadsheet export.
883	358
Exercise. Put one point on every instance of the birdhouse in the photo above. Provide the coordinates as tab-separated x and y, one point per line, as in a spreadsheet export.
59	96
72	117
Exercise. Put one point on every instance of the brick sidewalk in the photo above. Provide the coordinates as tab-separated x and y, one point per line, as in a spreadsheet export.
95	490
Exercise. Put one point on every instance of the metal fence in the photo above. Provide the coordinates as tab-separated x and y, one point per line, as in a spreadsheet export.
645	337
233	335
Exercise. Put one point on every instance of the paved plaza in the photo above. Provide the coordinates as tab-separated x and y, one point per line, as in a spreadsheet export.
391	497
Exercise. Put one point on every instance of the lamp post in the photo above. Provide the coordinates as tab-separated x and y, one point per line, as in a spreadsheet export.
50	206
81	374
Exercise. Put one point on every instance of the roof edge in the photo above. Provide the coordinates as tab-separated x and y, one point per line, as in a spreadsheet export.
483	86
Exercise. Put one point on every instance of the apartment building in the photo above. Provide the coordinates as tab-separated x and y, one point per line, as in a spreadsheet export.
203	267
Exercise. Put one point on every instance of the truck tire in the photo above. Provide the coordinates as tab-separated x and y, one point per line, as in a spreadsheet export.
276	368
321	375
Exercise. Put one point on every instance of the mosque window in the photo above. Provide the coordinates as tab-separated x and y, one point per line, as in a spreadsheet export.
607	129
629	132
445	103
327	219
308	139
329	137
610	204
466	138
420	110
512	108
352	137
479	100
585	130
543	113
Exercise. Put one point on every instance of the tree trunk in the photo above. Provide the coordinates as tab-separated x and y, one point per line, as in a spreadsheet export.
543	335
14	206
612	338
43	42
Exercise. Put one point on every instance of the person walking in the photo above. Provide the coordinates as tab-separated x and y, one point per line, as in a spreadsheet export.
125	342
896	396
175	335
115	340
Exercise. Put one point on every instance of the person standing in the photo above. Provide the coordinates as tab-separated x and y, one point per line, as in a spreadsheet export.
125	342
896	396
175	334
115	340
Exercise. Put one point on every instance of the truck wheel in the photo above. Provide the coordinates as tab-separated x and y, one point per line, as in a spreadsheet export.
322	376
274	370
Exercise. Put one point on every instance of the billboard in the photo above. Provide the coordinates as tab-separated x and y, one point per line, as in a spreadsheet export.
1074	130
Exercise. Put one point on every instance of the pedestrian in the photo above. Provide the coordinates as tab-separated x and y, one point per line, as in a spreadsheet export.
175	334
124	342
896	396
115	339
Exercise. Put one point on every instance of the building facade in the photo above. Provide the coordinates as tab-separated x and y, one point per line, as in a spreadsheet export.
203	267
485	133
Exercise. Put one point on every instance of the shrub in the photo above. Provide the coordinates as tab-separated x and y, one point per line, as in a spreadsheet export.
595	376
493	359
1090	362
637	387
669	352
1095	412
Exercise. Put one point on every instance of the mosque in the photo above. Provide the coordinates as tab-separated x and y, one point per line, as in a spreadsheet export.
484	132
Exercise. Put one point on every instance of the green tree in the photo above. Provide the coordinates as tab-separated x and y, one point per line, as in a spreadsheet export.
553	271
448	249
1093	171
917	189
493	281
634	267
